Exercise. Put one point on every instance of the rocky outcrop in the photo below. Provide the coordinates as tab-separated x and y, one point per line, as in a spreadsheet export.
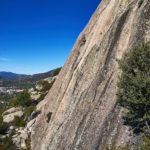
10	114
37	91
19	139
80	111
22	135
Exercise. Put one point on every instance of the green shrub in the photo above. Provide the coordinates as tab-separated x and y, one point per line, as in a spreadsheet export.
134	86
46	86
28	111
19	122
28	144
4	128
1	119
56	71
7	144
42	96
145	143
23	99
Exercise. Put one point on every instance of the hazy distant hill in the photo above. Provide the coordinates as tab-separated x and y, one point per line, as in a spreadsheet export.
22	81
11	75
7	74
40	76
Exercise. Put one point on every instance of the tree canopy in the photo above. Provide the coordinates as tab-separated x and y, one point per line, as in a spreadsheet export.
134	86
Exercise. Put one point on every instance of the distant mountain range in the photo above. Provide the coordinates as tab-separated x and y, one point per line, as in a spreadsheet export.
10	75
15	76
21	80
7	74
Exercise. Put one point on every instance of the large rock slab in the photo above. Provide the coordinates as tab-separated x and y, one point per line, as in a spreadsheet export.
10	114
83	99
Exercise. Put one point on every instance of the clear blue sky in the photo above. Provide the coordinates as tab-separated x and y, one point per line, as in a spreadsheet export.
37	35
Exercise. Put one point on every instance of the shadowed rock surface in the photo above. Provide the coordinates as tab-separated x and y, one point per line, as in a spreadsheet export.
82	102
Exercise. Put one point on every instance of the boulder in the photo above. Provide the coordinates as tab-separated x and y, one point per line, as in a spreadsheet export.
30	125
12	110
20	138
9	115
35	96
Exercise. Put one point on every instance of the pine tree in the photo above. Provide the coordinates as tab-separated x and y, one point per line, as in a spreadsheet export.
134	86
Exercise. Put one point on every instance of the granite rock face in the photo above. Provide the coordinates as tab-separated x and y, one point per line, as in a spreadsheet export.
10	114
80	111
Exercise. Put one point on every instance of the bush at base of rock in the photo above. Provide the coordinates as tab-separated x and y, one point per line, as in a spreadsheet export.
134	87
28	144
7	144
46	86
23	99
28	111
42	96
19	122
4	128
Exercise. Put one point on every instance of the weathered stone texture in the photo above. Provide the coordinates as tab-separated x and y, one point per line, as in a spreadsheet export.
83	98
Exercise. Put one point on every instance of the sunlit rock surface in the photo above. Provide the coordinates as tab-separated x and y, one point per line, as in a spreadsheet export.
80	111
